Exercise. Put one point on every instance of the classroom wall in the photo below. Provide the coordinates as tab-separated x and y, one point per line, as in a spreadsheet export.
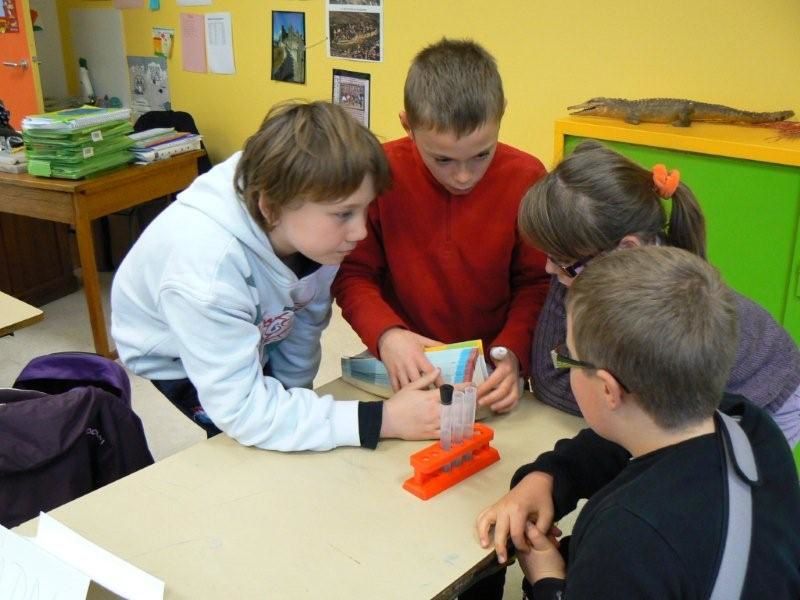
551	54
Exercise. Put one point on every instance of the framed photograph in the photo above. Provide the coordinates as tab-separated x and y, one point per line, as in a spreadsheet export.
289	46
9	21
351	92
355	29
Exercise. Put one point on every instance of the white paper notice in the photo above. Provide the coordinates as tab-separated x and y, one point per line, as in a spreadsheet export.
27	571
219	43
194	2
101	566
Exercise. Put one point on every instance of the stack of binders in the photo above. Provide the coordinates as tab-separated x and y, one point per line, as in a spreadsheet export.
160	143
77	142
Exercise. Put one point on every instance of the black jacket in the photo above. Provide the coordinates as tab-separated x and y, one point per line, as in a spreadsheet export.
57	447
653	526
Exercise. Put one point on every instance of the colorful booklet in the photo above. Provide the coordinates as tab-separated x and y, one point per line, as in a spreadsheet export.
461	362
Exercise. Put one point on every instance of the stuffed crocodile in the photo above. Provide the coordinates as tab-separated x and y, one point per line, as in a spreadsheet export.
679	112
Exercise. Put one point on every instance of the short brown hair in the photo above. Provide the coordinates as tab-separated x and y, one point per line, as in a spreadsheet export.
453	86
311	151
662	321
595	197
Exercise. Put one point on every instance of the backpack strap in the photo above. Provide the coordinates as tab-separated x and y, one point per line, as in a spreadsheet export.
742	472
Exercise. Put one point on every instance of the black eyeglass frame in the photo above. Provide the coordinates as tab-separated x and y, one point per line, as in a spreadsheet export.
574	269
562	360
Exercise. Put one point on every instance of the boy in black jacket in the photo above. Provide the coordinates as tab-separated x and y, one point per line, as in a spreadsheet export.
651	335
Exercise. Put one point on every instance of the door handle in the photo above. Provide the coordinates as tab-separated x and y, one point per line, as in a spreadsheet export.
22	64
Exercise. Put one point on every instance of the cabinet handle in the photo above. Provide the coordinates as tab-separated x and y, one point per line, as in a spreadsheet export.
23	64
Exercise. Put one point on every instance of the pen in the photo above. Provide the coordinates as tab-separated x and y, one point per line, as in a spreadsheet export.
498	352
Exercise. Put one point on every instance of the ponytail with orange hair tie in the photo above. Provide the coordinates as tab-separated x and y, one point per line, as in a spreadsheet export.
666	182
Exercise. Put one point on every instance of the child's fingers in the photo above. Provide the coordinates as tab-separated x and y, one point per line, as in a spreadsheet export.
425	380
485	521
537	539
544	519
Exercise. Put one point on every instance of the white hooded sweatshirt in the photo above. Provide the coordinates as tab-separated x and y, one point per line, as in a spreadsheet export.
202	295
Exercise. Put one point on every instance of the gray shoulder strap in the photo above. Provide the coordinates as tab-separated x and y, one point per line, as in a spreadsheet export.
741	473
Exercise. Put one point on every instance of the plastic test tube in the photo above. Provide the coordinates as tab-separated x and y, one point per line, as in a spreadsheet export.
446	423
457	415
468	414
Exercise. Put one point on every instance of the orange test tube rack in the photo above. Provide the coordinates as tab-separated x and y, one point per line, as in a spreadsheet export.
430	478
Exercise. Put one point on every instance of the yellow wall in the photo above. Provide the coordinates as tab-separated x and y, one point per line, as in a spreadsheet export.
551	54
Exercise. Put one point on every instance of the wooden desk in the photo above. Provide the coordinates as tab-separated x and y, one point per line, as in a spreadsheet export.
79	202
16	314
219	520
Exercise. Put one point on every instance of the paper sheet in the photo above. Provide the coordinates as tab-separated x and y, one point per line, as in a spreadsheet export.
193	42
101	566
219	43
28	571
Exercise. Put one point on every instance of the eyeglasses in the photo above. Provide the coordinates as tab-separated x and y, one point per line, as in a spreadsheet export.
562	360
573	270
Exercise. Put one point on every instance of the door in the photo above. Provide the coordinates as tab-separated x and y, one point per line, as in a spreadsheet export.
19	72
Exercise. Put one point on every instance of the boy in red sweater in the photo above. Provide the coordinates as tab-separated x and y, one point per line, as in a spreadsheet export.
442	261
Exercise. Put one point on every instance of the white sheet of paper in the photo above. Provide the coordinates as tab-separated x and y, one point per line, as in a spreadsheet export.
108	570
219	43
28	571
194	2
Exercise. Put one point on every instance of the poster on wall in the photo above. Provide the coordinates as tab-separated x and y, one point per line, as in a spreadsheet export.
149	84
355	29
9	22
351	92
289	46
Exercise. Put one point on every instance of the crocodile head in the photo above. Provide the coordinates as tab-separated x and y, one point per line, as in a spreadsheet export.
596	106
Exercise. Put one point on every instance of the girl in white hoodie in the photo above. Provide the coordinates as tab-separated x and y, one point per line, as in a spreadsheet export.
222	300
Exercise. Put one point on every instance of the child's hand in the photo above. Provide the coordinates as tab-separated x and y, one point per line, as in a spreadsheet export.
544	560
403	354
530	499
500	391
413	413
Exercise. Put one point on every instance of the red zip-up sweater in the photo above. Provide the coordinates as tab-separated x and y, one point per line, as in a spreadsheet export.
448	267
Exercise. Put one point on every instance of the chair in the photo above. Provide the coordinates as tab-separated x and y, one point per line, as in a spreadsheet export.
58	446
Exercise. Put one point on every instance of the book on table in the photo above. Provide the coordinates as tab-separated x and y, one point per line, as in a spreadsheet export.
75	118
461	362
168	149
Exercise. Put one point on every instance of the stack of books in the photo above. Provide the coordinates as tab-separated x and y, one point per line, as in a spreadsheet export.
162	142
77	142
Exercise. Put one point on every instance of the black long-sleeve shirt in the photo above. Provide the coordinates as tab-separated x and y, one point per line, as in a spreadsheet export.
653	525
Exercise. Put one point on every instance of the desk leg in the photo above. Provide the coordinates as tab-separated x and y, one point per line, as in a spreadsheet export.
91	281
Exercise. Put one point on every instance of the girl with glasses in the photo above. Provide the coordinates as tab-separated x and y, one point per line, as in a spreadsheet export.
597	201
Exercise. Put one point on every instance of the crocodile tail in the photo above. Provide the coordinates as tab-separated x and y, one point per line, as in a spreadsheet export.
766	117
782	115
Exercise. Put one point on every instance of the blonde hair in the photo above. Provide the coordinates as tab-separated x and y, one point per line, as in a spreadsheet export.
595	197
311	151
661	320
453	86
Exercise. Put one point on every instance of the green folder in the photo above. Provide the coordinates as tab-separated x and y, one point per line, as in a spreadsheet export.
91	166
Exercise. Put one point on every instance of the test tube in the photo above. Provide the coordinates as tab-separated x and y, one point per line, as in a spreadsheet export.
446	423
457	413
468	414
